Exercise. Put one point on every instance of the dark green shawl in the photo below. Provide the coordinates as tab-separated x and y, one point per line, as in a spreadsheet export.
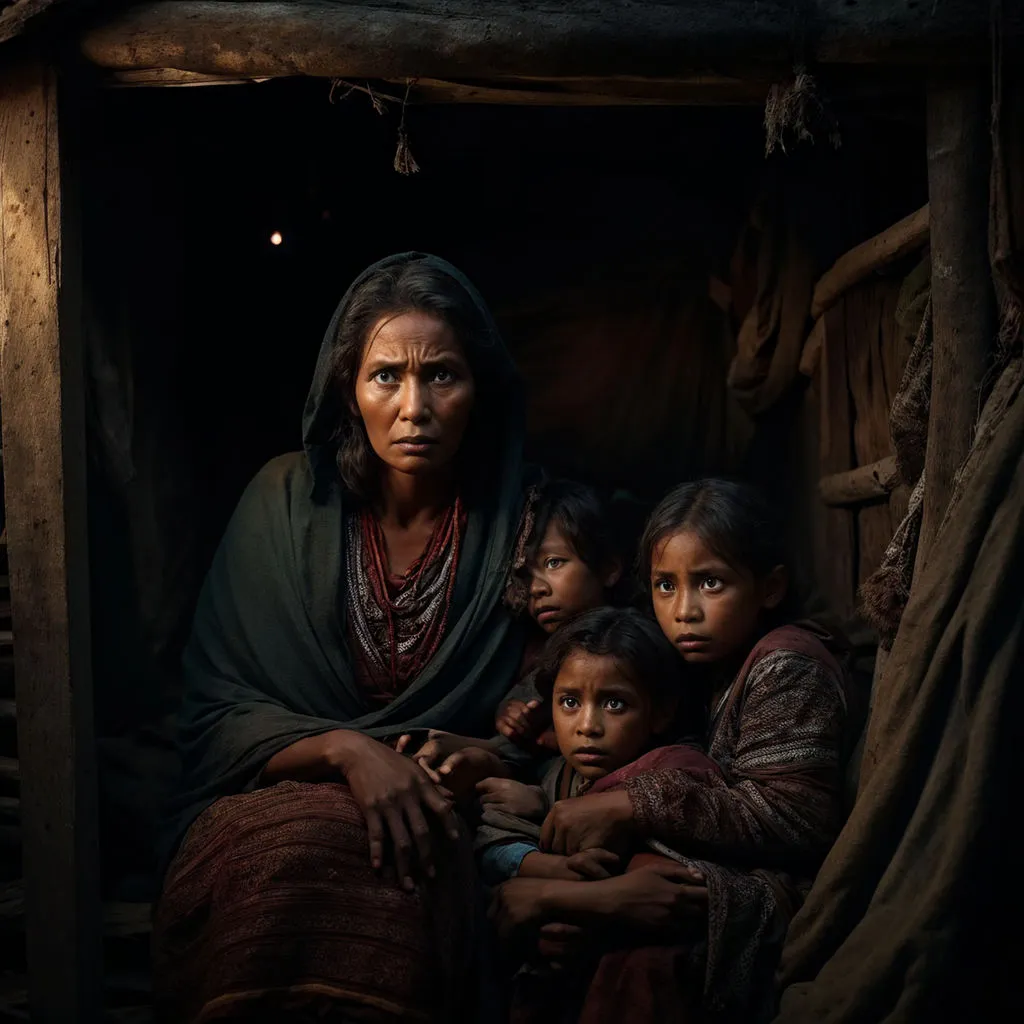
267	663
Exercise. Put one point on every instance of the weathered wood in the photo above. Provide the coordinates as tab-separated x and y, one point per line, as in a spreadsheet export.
811	355
837	558
963	306
876	354
905	236
18	13
479	38
42	396
865	483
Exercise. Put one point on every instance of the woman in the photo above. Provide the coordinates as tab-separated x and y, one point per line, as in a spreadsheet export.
357	595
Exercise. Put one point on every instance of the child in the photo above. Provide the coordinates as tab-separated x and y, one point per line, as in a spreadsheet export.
573	564
714	557
613	684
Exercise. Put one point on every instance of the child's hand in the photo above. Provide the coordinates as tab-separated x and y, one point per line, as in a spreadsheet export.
437	746
513	797
521	723
594	864
518	906
462	771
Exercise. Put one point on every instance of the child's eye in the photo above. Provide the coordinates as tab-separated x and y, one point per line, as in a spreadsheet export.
569	703
553	563
615	704
664	586
711	584
385	377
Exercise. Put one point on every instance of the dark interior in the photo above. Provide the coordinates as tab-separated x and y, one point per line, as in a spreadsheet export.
203	334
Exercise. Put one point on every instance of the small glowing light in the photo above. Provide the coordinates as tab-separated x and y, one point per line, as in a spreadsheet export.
276	238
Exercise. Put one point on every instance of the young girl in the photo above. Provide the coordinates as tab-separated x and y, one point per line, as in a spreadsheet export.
614	687
573	564
714	560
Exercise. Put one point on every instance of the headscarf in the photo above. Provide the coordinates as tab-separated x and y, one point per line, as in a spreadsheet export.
267	663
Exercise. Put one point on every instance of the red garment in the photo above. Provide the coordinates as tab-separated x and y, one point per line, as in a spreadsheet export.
395	623
272	912
762	817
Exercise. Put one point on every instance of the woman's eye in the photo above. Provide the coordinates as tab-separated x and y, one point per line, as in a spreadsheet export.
553	563
384	377
711	584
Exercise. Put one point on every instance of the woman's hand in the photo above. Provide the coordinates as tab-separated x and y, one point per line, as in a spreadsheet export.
523	722
397	799
583	822
513	797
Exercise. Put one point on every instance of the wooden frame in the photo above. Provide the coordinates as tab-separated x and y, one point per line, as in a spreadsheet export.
465	39
42	400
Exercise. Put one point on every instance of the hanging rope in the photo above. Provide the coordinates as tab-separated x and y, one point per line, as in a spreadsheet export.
405	163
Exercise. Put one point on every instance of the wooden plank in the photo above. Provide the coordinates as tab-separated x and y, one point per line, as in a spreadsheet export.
463	39
41	392
837	558
905	236
963	305
811	355
875	359
865	483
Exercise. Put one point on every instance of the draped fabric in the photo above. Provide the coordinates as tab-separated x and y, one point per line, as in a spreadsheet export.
268	662
916	912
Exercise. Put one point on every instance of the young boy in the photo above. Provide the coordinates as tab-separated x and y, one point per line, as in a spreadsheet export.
573	564
614	686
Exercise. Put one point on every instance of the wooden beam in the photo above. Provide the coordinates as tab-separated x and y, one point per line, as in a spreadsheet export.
860	485
905	236
16	14
42	397
963	305
481	38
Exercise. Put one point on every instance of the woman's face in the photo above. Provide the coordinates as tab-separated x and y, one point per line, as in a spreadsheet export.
414	391
709	609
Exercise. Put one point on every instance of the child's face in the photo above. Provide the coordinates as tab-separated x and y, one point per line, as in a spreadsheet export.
602	719
562	585
708	609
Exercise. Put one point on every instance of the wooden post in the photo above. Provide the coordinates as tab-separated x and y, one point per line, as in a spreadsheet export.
42	401
963	306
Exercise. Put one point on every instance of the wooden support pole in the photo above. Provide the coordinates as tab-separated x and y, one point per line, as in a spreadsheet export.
41	394
963	305
857	486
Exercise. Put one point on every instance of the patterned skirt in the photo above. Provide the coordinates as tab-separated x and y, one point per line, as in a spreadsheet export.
271	911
